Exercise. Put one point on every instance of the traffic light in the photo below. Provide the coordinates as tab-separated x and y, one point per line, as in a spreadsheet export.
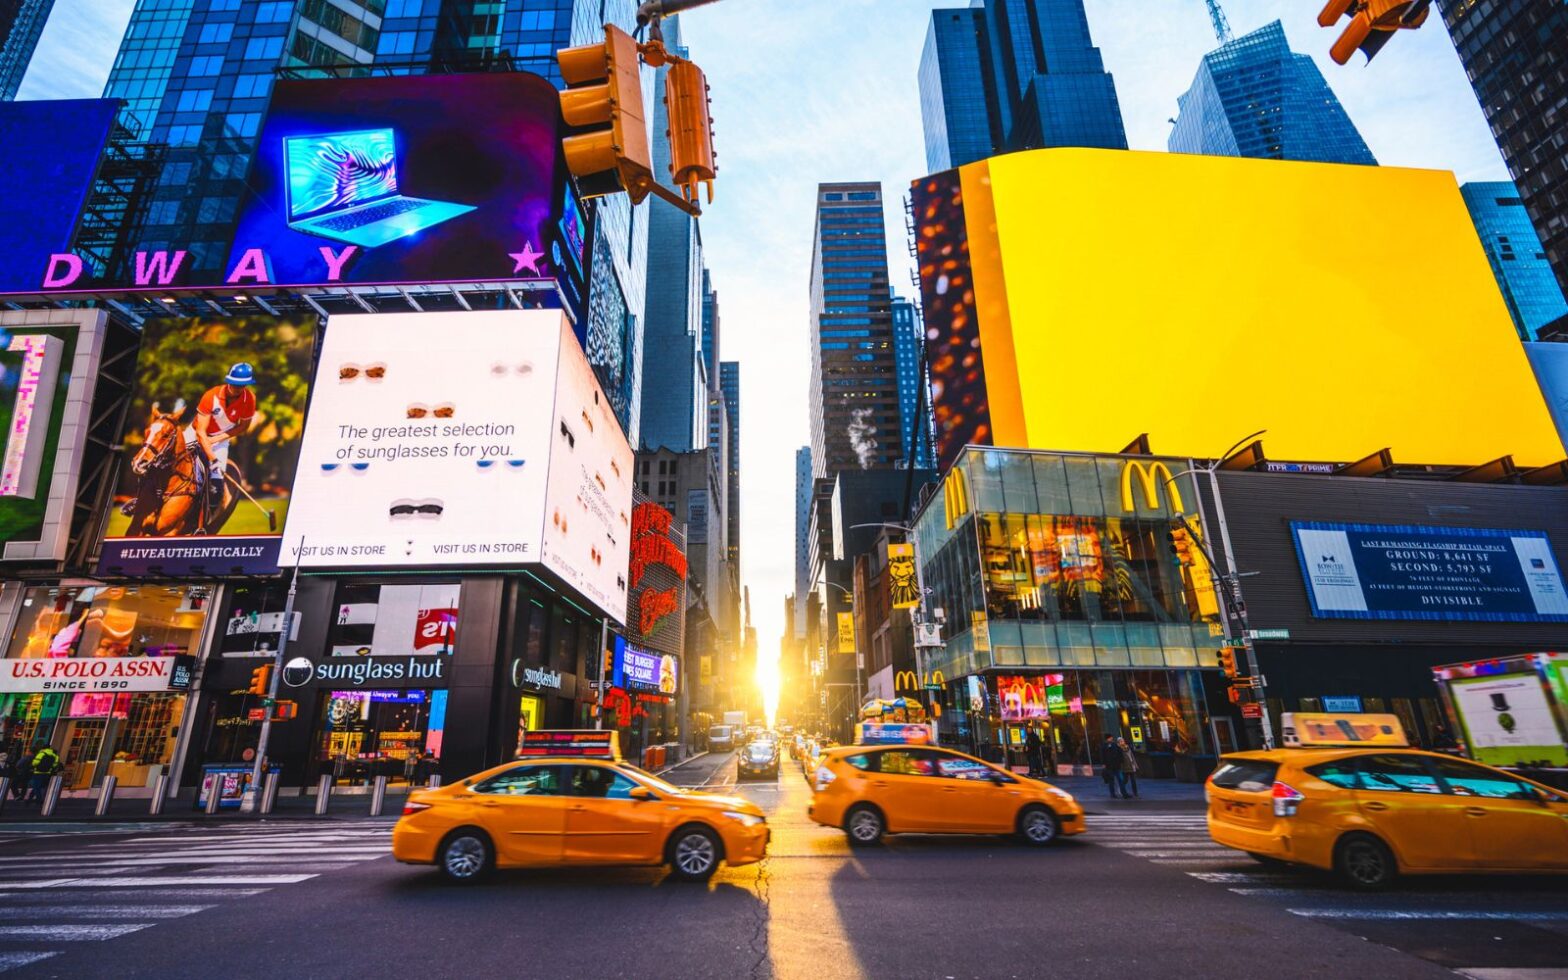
1372	23
603	99
691	129
259	679
1228	661
1181	546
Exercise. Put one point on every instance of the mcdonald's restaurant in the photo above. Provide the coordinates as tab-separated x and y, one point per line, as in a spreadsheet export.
1077	598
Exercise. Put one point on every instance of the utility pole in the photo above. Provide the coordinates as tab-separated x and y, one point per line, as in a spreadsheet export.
258	772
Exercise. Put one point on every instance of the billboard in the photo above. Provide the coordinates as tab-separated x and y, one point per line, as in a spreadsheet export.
656	579
1249	281
1373	571
49	183
644	671
1508	721
1023	698
477	439
48	369
212	438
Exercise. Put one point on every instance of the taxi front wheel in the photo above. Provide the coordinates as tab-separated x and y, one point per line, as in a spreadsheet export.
465	856
694	853
864	825
1037	825
1365	862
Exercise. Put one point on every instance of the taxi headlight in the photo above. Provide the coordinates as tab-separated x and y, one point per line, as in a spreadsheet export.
1060	794
746	819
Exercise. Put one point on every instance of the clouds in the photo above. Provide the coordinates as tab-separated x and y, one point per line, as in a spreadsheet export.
76	49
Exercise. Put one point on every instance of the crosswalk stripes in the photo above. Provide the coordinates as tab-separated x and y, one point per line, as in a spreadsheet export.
52	900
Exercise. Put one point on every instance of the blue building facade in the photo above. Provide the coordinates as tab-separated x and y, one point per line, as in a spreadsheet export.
729	385
1005	75
803	485
21	24
1518	260
914	411
197	75
1254	97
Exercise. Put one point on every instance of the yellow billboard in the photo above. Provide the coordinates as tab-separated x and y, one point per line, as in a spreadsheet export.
1345	309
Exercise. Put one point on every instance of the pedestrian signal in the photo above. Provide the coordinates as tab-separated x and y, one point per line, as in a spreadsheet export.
690	110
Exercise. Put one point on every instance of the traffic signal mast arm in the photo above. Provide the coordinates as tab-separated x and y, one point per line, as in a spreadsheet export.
652	10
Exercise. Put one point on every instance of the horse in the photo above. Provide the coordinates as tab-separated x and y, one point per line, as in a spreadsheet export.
169	498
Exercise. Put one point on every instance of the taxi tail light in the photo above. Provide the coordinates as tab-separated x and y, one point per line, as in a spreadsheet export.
412	808
825	776
1286	800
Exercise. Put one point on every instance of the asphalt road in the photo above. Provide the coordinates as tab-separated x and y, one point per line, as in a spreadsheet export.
1144	893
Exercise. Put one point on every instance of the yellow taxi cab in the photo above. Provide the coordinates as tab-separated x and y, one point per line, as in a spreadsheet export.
1348	795
869	790
569	800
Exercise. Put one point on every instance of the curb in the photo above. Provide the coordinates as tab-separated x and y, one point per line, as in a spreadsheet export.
660	772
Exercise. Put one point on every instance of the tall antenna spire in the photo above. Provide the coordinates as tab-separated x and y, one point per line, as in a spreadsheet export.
1217	18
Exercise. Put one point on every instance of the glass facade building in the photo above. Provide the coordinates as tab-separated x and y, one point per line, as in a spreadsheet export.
1005	75
729	385
1055	572
21	24
803	485
1518	261
914	411
1254	97
1513	52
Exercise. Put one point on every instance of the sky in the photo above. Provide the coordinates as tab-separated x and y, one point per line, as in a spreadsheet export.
825	90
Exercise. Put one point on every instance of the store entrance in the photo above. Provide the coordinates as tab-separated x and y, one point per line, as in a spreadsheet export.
396	734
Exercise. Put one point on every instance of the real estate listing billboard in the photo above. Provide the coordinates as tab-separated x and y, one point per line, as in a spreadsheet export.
1195	299
476	439
212	438
48	370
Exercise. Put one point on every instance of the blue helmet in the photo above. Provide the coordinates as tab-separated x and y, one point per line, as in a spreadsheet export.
241	375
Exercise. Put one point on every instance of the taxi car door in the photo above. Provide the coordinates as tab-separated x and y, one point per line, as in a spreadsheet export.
974	798
524	811
1407	807
909	791
604	825
1512	828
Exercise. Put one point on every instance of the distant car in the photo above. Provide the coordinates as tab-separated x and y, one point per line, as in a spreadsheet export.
760	759
721	738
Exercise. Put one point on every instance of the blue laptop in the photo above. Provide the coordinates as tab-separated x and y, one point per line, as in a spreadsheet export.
343	186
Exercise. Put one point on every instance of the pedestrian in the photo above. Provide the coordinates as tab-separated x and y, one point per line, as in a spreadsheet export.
45	763
1129	771
21	771
1032	740
1113	767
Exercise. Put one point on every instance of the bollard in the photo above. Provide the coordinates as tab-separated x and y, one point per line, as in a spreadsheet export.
214	793
323	793
106	795
52	795
160	789
434	782
378	796
269	792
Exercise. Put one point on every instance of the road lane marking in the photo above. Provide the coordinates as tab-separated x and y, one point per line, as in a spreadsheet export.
73	933
288	879
186	893
103	911
1491	915
10	961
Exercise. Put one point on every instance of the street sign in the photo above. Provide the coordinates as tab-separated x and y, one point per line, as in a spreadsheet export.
1252	710
1268	634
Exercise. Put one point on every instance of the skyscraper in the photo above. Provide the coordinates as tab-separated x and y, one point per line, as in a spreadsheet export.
21	24
854	385
197	75
914	412
710	330
1254	97
1523	274
1006	75
803	484
729	384
1513	52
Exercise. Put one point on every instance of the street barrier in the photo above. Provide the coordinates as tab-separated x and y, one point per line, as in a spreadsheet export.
52	795
323	793
160	789
215	794
378	796
106	795
269	791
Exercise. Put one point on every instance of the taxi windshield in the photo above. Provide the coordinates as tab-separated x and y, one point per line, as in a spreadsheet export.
652	781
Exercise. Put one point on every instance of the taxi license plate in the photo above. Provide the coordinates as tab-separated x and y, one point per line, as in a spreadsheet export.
1232	806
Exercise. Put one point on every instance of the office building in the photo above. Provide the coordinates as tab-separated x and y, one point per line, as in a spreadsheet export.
197	74
802	544
729	385
1513	52
854	385
1005	75
1254	97
1525	277
914	410
21	24
710	330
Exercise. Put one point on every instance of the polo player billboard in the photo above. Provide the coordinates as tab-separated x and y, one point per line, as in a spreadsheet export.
211	443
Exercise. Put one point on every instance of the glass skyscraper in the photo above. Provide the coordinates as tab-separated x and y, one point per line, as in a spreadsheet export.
803	485
21	24
914	412
855	419
1004	75
197	74
1518	261
1513	51
729	384
1254	97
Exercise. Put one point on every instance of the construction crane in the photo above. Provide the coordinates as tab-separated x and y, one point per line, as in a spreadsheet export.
1221	25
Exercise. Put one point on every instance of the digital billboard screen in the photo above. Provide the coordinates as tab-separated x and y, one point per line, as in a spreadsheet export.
53	151
212	437
463	439
48	370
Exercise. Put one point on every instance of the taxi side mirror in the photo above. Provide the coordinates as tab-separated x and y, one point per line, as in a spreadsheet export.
639	793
